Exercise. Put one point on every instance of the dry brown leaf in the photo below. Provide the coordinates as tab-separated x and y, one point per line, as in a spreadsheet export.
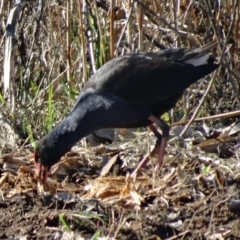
127	188
136	197
3	178
220	178
108	166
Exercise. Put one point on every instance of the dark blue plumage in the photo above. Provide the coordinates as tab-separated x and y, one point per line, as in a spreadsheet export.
127	92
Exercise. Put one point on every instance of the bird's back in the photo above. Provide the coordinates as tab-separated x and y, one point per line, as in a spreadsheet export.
149	79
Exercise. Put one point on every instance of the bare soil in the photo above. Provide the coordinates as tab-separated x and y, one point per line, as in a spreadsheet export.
194	196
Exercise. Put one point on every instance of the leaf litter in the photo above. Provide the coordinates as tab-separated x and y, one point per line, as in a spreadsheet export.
194	196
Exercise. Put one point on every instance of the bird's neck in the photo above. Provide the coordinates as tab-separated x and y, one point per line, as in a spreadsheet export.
71	130
87	116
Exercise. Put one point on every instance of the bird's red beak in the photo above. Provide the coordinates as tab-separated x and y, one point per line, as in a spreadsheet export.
41	172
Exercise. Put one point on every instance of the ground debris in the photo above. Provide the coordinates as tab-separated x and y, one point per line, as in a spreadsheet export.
192	197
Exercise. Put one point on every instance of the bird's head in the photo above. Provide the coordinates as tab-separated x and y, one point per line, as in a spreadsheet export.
44	157
41	171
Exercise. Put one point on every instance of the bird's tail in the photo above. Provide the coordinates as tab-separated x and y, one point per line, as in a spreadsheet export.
201	55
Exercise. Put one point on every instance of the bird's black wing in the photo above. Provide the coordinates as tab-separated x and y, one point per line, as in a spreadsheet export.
145	79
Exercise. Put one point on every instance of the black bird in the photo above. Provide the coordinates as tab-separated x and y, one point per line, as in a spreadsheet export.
127	92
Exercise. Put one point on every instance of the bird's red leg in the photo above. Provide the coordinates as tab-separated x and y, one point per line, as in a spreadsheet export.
159	146
165	134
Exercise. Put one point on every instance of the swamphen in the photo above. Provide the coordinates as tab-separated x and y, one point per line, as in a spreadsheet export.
127	92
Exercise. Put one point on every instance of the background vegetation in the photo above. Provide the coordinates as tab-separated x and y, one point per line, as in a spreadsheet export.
60	44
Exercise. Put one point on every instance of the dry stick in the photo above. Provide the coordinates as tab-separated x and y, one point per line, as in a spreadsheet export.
176	6
57	78
157	16
112	32
199	105
186	11
26	77
68	49
82	39
100	32
1	8
151	12
123	31
59	29
129	39
180	32
140	26
226	58
9	59
128	25
226	200
177	235
85	9
121	222
236	33
222	57
90	40
204	96
222	115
